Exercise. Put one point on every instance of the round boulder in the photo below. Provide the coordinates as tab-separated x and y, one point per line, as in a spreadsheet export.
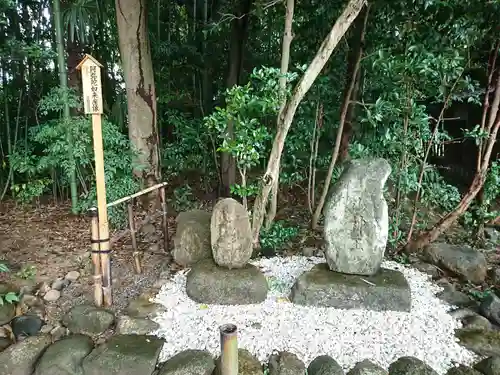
189	362
192	237
248	364
410	366
65	356
124	355
88	320
367	367
324	365
286	363
231	234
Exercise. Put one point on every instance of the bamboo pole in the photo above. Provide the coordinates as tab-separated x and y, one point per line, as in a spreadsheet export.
164	222
105	249
93	103
229	349
118	236
138	194
131	225
96	259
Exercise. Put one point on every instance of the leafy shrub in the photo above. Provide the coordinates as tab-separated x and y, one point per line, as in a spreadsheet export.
248	108
48	158
46	162
7	297
277	236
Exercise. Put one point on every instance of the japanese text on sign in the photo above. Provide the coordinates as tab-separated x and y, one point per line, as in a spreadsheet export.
92	92
94	87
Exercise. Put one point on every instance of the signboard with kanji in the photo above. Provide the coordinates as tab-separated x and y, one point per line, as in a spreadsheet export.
92	88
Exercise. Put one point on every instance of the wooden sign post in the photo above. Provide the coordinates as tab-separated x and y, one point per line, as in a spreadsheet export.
101	254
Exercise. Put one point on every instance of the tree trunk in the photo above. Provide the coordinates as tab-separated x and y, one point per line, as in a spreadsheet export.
75	55
131	17
206	80
338	30
350	85
63	82
239	32
355	51
285	59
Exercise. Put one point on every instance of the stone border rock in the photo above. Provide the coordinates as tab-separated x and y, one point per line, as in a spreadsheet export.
129	354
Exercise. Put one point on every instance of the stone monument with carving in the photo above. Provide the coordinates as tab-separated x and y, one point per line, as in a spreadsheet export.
226	278
356	231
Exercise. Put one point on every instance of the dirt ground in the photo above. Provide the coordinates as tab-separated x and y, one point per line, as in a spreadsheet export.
41	244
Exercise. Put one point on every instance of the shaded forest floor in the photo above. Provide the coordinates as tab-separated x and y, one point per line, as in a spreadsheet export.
42	244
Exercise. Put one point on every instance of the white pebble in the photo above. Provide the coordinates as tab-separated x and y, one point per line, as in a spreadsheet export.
349	336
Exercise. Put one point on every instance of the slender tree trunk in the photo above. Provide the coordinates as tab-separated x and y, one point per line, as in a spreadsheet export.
338	30
63	82
358	42
239	32
206	81
131	17
285	59
351	83
75	55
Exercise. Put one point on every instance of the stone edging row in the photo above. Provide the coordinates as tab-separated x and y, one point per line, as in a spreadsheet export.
138	354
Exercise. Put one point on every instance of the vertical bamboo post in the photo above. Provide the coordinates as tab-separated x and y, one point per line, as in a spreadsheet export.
93	105
102	211
229	349
133	231
166	246
96	259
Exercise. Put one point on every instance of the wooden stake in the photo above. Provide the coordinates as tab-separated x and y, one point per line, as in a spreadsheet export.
131	225
96	259
93	103
102	211
166	246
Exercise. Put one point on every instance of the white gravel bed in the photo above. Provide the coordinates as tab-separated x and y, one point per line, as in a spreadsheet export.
349	336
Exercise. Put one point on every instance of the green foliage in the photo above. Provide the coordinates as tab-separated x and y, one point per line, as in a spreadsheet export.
44	159
191	150
277	236
183	199
27	272
416	54
8	297
247	109
481	212
402	258
276	285
4	268
479	294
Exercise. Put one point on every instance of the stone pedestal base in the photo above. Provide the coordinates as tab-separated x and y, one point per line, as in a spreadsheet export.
387	290
214	285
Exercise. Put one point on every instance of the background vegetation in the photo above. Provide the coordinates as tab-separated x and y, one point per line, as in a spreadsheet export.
197	97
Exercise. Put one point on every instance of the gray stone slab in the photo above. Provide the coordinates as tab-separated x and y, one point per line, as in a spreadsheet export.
387	290
214	285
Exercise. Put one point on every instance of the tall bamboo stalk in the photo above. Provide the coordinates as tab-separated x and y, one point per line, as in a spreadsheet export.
63	82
